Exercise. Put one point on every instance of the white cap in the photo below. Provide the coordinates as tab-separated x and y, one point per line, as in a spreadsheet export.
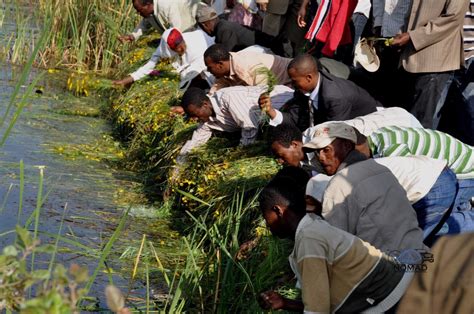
325	133
317	185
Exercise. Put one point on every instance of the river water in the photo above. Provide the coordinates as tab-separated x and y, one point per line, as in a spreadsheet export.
64	135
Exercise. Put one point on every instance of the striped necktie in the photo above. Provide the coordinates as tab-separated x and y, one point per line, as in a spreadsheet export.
311	112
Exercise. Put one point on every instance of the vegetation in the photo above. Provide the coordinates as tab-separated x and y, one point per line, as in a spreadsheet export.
211	197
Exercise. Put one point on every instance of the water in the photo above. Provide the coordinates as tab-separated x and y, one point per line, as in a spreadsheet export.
65	136
96	194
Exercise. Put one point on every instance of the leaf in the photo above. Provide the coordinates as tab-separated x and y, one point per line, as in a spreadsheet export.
48	248
25	237
10	251
41	274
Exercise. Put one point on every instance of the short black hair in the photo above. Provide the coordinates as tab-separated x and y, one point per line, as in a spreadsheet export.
217	53
145	2
288	188
284	134
193	96
304	64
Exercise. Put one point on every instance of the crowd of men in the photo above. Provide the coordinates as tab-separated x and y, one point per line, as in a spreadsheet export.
369	105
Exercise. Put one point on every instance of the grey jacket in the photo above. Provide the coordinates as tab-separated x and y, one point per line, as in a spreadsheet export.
365	199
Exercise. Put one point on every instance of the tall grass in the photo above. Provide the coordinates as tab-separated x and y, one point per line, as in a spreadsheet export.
84	33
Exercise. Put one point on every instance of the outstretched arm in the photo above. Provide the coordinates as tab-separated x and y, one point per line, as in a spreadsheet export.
271	300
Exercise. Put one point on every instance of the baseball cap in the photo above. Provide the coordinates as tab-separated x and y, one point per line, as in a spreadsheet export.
327	132
205	13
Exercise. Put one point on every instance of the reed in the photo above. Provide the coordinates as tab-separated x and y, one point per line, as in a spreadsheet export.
84	33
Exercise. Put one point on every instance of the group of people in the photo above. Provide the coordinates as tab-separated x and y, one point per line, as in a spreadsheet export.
369	105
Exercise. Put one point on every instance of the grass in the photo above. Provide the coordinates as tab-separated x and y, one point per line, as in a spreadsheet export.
83	33
213	200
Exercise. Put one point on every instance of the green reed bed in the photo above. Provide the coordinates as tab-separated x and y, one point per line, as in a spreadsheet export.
211	198
83	33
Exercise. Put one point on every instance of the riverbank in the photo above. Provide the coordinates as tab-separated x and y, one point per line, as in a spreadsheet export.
211	208
212	201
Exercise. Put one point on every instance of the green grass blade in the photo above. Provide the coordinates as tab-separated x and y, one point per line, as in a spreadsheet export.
107	250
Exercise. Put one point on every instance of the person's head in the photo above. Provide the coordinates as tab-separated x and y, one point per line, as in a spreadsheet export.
217	60
175	40
143	7
282	201
362	146
196	104
287	144
207	19
333	141
303	72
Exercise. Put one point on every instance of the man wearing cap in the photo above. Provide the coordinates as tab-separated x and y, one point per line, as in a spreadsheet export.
336	271
232	35
363	198
185	50
319	97
429	185
163	14
245	68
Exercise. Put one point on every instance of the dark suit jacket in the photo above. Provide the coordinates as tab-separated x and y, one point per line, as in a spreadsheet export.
338	100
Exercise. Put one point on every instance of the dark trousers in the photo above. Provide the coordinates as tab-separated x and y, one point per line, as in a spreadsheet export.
429	95
457	117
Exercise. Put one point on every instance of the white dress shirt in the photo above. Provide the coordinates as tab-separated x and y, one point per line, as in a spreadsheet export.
236	108
313	97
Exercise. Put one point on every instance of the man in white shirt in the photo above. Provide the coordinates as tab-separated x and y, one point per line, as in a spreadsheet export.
228	110
163	14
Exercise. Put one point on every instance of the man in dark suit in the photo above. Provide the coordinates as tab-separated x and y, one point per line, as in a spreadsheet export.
233	36
319	97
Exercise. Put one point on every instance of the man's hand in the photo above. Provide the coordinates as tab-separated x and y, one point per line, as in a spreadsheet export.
301	17
263	7
124	82
265	104
126	38
271	300
401	40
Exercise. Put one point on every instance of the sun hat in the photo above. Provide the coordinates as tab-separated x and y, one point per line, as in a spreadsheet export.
317	185
366	56
325	133
205	13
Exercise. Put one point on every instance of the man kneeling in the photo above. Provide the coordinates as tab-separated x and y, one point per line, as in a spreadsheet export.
336	271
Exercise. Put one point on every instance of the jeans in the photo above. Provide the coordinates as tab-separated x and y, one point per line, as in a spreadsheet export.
359	20
432	207
457	117
430	94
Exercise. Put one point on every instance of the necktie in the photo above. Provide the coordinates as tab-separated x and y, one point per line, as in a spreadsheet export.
311	112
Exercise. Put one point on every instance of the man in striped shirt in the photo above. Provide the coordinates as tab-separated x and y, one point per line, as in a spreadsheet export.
230	109
402	141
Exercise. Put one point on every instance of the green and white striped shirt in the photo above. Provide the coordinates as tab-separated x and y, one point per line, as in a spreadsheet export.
402	141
